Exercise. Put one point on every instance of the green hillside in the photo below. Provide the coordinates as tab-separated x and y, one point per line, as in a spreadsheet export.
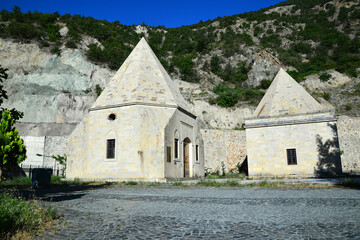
309	35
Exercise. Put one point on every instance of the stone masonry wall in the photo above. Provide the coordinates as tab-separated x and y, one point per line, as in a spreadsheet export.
349	141
54	145
227	146
40	149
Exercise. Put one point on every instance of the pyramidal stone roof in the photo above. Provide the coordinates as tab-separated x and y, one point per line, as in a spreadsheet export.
286	96
141	79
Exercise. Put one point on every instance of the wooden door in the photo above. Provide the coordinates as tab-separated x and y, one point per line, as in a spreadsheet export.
186	159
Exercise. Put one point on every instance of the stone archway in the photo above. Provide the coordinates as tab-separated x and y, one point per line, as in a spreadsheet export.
187	153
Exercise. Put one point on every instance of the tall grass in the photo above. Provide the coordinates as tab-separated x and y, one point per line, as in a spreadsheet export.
16	182
18	215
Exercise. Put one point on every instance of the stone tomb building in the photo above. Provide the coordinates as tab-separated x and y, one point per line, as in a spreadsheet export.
291	134
139	128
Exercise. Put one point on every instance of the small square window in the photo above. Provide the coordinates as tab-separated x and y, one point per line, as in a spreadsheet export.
110	148
291	156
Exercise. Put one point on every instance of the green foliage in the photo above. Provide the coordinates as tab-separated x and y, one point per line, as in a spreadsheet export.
215	64
186	66
237	74
55	179
16	182
334	49
301	47
228	97
178	184
324	77
348	107
265	84
55	50
61	159
271	40
326	96
19	215
16	115
98	90
257	30
12	148
131	183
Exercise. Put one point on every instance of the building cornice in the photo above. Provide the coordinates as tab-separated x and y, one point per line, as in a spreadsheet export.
290	122
144	104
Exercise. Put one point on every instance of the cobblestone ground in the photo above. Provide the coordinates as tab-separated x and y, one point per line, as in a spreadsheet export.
205	213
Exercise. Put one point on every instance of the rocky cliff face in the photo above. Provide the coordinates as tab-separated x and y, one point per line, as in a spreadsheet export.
50	88
55	89
60	88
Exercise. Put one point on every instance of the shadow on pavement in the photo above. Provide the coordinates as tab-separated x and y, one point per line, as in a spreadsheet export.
53	193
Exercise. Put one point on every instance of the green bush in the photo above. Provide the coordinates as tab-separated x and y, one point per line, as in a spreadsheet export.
132	183
265	84
55	179
227	96
324	77
186	66
348	107
19	215
55	50
326	96
98	89
215	64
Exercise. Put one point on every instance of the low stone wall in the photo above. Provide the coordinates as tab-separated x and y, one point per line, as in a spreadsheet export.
40	149
349	141
223	146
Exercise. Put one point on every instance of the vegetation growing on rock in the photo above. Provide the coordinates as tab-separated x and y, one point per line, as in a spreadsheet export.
306	36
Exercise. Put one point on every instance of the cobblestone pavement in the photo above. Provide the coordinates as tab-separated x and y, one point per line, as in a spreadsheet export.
205	213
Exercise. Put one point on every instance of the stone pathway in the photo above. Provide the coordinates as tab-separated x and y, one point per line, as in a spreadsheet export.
140	212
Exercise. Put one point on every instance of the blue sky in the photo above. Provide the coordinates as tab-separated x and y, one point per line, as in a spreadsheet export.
152	12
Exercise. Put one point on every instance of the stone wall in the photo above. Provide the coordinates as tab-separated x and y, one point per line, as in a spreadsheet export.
349	140
227	146
40	149
54	145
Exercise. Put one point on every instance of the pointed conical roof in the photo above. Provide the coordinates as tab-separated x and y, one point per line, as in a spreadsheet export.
286	96
141	79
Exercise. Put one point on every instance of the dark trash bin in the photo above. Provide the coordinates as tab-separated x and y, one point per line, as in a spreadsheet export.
41	177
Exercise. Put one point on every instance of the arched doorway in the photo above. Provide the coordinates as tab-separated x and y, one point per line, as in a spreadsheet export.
187	148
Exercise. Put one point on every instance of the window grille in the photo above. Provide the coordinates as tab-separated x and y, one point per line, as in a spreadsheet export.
291	156
110	148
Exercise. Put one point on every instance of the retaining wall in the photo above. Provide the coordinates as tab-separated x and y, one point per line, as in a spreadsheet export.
223	146
349	141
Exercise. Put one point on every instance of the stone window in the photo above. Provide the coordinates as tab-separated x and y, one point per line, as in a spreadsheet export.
110	148
176	147
291	156
197	152
176	144
168	154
